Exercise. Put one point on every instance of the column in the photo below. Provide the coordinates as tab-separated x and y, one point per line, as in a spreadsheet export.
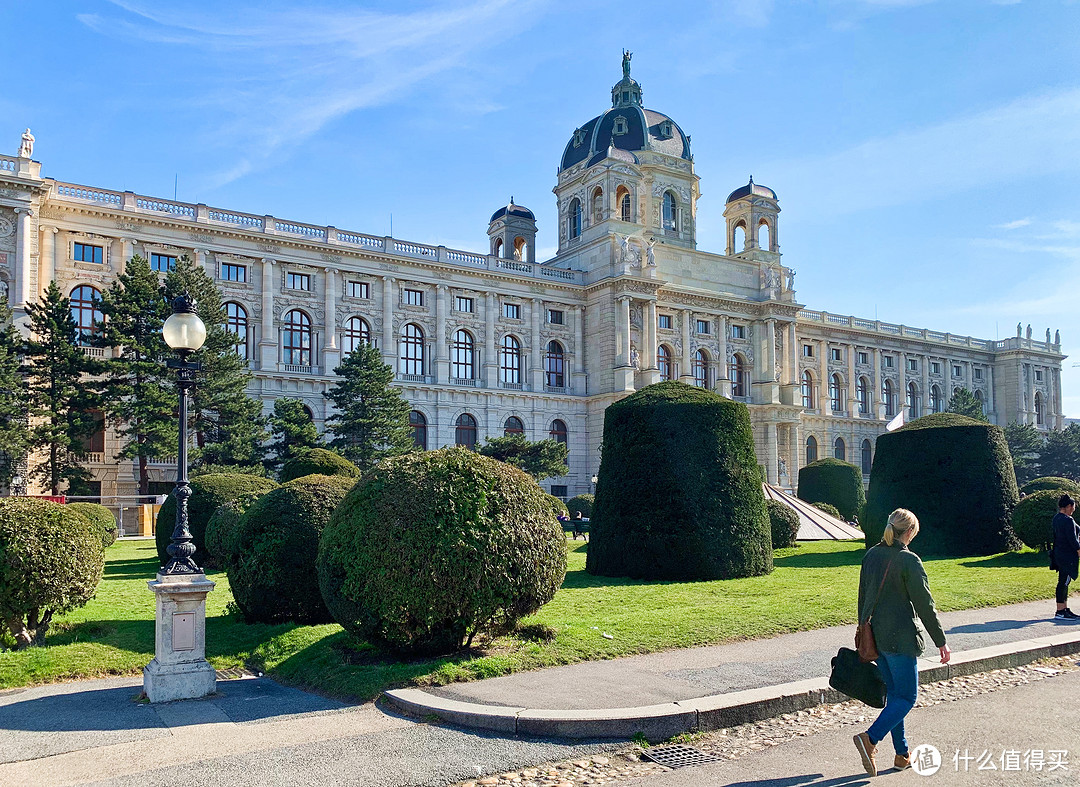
127	250
622	333
852	399
268	343
47	258
686	369
902	383
649	324
771	455
793	355
491	365
824	407
442	311
877	404
536	353
1021	392
794	444
925	384
331	351
990	401
23	251
200	260
770	351
577	314
967	375
1059	414
1031	391
723	385
389	351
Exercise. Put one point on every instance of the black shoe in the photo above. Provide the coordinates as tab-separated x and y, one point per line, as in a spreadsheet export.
1067	614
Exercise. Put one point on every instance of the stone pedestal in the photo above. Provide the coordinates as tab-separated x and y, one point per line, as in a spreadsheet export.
179	670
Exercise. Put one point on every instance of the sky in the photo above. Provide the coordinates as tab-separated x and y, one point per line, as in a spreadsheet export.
925	153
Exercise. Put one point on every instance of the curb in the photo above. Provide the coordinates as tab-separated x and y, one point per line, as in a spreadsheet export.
660	722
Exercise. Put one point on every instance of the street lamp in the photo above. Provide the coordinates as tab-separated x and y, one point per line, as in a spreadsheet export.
17	488
593	481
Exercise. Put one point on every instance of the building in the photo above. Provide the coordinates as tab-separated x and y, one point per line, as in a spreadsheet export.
486	344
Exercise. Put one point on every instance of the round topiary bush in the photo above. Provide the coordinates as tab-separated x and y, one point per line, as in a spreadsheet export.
51	561
956	475
208	492
829	509
271	567
100	517
1033	516
221	529
679	492
431	549
583	503
318	461
1051	482
784	522
835	482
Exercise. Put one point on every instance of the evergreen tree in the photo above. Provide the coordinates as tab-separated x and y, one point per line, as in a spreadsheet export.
227	423
963	402
1025	446
14	429
62	395
1060	455
293	431
140	394
542	459
371	421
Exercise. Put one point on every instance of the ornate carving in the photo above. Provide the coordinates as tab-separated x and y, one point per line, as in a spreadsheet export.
6	227
201	237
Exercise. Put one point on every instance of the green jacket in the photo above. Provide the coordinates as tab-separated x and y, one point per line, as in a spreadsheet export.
905	594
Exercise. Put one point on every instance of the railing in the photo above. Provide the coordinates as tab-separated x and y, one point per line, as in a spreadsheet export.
7	164
297	368
513	265
359	239
466	257
906	331
511	386
92	195
414	378
557	273
160	460
465	381
556	389
94	352
163	206
240	219
92	458
319	233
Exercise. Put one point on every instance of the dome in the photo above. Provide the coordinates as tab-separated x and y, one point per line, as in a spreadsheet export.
513	210
751	188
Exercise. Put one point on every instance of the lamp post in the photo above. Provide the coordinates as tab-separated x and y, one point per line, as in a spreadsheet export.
593	482
17	488
179	669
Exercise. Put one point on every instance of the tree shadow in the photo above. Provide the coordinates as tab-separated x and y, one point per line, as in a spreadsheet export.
810	779
821	559
1007	560
131	635
992	625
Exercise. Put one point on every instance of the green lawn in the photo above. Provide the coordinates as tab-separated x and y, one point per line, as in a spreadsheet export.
814	585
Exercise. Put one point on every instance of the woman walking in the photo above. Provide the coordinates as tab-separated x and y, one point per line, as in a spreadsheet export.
1065	554
893	589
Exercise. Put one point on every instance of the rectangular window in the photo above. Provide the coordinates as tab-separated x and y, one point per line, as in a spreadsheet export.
935	367
664	321
558	491
808	351
956	370
887	361
414	297
837	354
555	316
512	311
230	272
864	358
703	326
84	252
738	331
1038	375
357	289
978	374
913	364
297	281
162	262
463	304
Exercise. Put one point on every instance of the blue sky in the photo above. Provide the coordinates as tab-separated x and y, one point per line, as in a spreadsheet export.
925	153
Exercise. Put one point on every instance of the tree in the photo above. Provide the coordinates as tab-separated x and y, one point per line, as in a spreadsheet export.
371	418
140	396
542	459
1025	447
1060	454
14	429
62	398
293	431
228	425
963	402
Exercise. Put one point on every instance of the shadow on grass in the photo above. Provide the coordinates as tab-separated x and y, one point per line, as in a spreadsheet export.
851	557
133	635
1024	559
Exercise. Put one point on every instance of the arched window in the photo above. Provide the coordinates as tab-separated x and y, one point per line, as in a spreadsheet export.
622	197
497	247
867	457
355	334
738	238
808	390
597	205
86	311
296	338
513	425
411	359
573	218
979	399
664	363
838	448
510	360
521	248
862	393
307	411
465	431
811	449
937	402
462	360
236	323
888	397
701	369
1040	409
763	235
671	212
554	366
836	393
94	443
739	372
913	400
558	431
419	429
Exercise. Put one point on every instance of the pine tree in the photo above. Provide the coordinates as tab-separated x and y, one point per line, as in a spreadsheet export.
1060	454
542	459
227	423
140	396
14	429
1025	446
371	421
62	393
293	431
963	402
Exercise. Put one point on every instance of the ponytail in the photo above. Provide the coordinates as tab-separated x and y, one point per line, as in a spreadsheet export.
900	521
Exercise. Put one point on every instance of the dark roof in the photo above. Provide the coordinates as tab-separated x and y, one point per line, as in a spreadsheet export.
643	132
751	188
513	210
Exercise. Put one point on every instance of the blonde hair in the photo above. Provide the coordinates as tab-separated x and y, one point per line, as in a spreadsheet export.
900	521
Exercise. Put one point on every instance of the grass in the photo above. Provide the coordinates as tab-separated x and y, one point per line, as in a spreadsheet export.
814	585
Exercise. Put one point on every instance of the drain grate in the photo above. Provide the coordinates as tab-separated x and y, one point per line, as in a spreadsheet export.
678	756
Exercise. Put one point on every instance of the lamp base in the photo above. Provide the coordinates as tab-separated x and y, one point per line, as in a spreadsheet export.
165	683
180	670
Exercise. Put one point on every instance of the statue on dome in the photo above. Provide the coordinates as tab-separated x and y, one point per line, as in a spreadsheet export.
1029	332
1019	330
791	278
26	147
1057	337
1048	336
626	55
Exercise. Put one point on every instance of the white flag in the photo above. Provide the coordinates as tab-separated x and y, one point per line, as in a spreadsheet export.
895	423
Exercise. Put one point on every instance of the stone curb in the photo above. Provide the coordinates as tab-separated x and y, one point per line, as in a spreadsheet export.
660	722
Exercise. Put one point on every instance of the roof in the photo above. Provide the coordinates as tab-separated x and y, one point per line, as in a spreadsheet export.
751	188
512	210
814	524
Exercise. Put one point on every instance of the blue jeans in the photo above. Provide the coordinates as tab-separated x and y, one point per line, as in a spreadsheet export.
901	675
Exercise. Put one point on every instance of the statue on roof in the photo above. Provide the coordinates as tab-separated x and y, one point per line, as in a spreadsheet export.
626	55
26	147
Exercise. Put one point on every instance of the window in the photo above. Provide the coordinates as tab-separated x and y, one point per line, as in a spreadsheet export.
864	358
670	212
579	137
1038	375
837	354
913	400
296	338
554	366
497	247
355	334
808	390
461	351
411	360
84	252
414	297
701	369
739	372
887	361
956	370
836	393
555	316
977	373
419	429
620	125
937	401
1040	410
935	367
703	326
888	398
811	449
512	311
512	426
867	457
463	304
664	321
558	431
559	491
665	129
297	281
86	311
913	364
862	395
236	323
664	363
465	431
979	399
738	331
839	448
573	219
597	205
231	272
521	248
357	289
94	443
808	351
510	361
622	196
162	262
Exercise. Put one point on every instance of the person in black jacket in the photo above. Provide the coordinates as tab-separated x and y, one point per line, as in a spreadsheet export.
1066	554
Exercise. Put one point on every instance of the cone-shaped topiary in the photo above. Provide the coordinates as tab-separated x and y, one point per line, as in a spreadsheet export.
679	492
1033	517
431	549
829	509
583	503
318	461
1051	482
272	565
207	493
956	475
835	482
784	523
101	517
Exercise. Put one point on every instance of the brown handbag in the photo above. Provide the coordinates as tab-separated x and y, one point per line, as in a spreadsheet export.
865	645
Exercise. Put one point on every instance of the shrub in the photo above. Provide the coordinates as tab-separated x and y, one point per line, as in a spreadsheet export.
431	549
956	475
272	565
784	522
1051	482
100	517
208	492
679	492
221	529
835	482
558	506
51	561
1033	516
209	468
829	509
583	503
318	461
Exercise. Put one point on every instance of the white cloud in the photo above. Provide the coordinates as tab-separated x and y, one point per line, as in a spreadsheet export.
1014	225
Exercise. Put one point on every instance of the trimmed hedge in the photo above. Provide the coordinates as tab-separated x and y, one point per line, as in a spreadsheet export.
583	503
956	475
1033	517
784	523
1051	482
829	509
271	567
431	549
208	492
51	560
679	492
836	482
317	461
101	517
222	528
